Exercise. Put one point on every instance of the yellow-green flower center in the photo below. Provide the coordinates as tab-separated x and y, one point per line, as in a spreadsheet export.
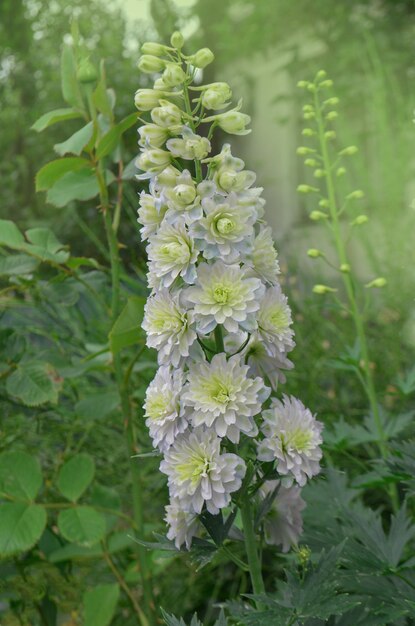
225	225
279	319
221	294
197	466
297	439
173	250
156	407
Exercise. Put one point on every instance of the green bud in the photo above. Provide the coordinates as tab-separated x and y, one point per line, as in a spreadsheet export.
331	102
86	72
340	171
146	99
202	58
185	193
324	203
173	75
318	215
303	150
345	268
356	195
149	64
306	189
321	290
311	87
307	108
308	132
330	134
331	115
177	40
314	253
319	173
311	163
233	122
321	75
360	219
327	83
309	116
216	96
303	84
167	114
377	282
153	48
348	151
225	225
303	555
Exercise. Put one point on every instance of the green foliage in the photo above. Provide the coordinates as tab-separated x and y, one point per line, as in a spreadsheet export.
21	526
75	476
82	525
127	328
100	604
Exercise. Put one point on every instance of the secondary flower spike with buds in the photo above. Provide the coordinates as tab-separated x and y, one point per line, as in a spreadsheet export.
217	315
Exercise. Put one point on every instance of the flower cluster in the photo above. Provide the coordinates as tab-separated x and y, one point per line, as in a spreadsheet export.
217	315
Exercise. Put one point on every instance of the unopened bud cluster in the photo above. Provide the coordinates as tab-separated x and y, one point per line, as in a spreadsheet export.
216	315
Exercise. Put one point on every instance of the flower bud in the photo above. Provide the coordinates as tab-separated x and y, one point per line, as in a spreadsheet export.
86	72
348	151
146	99
324	203
168	177
345	268
331	115
216	96
330	134
313	253
311	162
233	122
360	219
150	64
309	116
319	173
173	75
153	135
331	102
177	40
160	85
302	84
318	215
303	150
168	114
356	195
340	171
202	58
225	225
377	282
308	132
327	83
306	189
321	75
321	290
184	194
153	160
153	48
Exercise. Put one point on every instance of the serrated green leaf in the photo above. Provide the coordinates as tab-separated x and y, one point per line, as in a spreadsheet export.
81	185
17	265
21	526
127	328
34	384
20	475
70	87
75	476
82	524
45	245
100	604
76	142
110	140
53	117
54	170
10	235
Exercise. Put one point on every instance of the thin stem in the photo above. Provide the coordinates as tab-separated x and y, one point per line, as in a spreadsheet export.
251	548
125	587
350	290
188	107
220	347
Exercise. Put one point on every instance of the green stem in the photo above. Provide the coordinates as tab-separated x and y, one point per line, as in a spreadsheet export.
220	347
198	165
125	402
251	549
350	290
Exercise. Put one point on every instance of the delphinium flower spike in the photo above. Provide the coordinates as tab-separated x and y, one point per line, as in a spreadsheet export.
217	315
